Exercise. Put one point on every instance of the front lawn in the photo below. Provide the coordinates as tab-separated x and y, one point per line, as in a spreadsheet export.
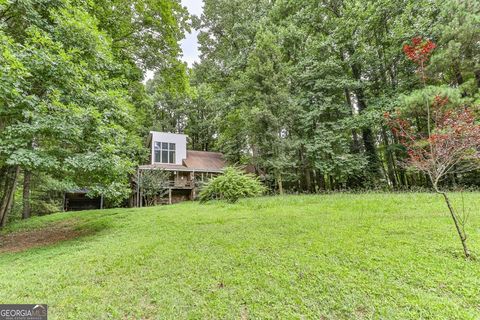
388	256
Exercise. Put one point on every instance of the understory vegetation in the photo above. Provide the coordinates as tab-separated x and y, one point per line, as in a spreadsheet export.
231	186
356	256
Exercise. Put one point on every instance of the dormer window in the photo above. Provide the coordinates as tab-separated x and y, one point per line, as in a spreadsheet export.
164	152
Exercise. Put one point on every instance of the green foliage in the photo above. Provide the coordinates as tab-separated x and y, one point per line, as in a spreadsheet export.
143	31
153	184
72	105
43	207
299	88
201	114
231	186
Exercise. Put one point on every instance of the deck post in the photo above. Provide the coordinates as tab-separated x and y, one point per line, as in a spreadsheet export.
169	195
194	185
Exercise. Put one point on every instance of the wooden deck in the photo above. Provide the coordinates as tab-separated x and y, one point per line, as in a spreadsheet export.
181	185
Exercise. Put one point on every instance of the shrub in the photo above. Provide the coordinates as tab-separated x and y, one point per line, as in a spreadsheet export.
232	185
154	185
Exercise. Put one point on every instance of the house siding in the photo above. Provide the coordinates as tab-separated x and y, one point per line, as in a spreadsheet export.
180	141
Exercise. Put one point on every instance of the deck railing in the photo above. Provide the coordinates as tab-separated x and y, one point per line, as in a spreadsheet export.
184	184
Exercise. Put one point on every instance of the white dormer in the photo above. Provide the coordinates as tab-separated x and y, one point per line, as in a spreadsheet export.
168	148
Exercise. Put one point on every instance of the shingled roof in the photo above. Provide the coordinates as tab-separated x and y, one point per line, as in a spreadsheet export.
201	161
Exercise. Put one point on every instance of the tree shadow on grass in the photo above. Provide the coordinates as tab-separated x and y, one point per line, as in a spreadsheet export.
54	233
457	254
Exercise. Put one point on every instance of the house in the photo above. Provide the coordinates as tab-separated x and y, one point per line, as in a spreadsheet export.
188	169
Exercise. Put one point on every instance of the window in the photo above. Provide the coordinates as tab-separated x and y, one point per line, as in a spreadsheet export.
164	152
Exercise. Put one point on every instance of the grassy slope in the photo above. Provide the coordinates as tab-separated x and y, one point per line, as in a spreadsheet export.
337	256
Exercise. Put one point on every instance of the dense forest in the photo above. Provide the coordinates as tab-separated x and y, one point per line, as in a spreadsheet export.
297	90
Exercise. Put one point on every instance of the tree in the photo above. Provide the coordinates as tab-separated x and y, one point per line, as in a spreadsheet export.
153	184
13	74
325	79
143	32
227	36
452	146
69	123
458	33
451	143
200	111
170	92
265	103
72	104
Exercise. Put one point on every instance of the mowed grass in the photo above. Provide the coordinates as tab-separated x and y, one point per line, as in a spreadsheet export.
343	256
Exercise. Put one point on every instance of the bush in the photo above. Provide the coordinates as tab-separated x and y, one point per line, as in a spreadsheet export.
154	185
232	185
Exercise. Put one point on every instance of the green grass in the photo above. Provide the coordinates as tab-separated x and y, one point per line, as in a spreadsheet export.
381	256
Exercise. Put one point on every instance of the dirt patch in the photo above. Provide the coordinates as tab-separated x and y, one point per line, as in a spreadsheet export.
23	240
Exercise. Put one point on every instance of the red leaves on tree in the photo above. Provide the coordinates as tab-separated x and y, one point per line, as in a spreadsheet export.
420	50
454	144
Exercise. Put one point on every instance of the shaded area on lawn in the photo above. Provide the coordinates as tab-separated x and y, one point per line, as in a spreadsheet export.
56	232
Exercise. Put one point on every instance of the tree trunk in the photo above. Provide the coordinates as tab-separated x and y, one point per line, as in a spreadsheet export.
400	172
461	233
458	74
389	158
9	192
320	180
355	148
308	180
27	175
355	142
367	133
308	175
280	183
3	173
